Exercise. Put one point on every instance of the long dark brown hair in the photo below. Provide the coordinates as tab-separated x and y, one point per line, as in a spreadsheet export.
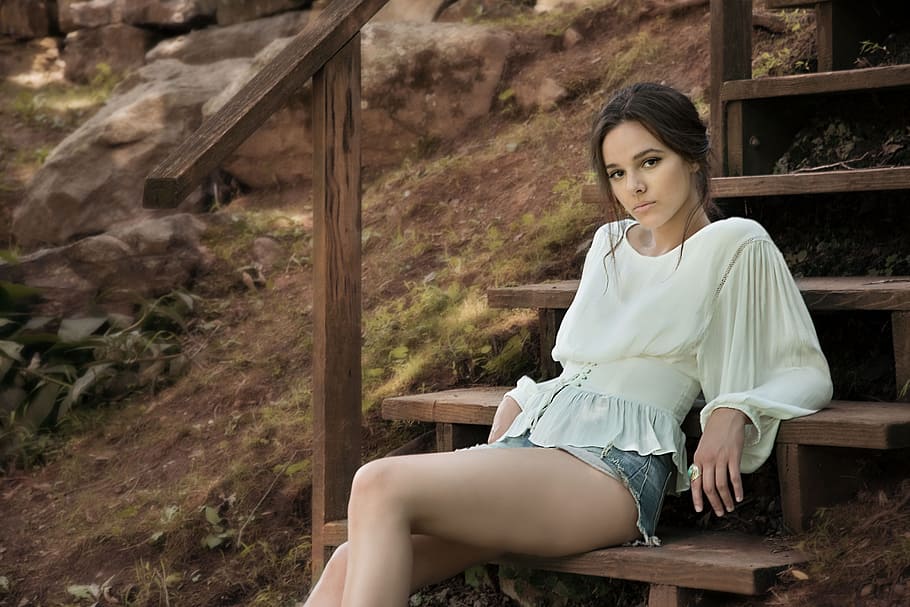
672	118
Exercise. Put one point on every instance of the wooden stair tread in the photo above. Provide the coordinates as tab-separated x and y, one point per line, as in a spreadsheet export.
820	293
709	560
859	180
793	184
860	425
841	81
690	558
794	3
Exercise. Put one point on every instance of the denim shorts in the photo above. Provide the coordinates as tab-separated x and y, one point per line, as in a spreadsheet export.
647	477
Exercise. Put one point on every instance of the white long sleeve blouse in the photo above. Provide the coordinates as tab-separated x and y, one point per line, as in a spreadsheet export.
644	334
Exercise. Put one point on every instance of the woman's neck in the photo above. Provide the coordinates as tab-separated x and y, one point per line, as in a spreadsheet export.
665	238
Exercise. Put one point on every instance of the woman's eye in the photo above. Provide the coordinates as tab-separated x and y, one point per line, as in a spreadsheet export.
650	162
615	174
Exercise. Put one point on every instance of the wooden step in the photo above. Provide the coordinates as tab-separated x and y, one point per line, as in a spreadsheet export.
841	81
793	184
708	560
690	558
820	293
851	424
794	3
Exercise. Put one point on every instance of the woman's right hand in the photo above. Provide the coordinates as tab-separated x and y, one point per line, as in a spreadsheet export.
506	412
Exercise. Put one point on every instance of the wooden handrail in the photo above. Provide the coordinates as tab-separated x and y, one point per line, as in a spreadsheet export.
201	153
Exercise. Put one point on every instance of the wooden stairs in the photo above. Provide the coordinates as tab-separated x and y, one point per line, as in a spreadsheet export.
812	452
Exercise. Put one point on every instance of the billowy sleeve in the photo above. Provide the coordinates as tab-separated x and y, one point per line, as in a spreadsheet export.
760	353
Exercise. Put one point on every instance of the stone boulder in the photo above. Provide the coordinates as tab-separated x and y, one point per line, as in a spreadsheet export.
217	43
417	11
119	46
169	14
26	18
78	14
144	259
230	12
421	82
545	6
94	178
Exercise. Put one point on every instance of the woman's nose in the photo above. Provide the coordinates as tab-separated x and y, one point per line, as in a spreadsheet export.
635	184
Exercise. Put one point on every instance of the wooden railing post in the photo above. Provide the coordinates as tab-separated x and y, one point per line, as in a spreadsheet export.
337	289
731	59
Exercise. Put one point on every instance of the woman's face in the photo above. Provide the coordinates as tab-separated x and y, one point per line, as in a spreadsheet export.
654	184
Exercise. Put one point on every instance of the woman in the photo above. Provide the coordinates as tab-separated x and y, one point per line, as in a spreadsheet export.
668	303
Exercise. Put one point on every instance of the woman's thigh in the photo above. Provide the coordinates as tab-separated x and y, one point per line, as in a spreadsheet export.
533	501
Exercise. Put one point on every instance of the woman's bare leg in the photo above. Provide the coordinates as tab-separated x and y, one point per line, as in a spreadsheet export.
434	560
533	501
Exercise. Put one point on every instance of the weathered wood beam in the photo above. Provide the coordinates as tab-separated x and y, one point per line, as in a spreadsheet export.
731	59
204	151
337	289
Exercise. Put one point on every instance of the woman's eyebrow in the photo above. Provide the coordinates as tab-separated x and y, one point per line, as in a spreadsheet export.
637	156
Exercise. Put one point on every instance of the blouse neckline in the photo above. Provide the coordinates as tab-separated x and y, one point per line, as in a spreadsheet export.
637	253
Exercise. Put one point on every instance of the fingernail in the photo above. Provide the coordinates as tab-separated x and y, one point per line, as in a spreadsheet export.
739	498
730	509
698	508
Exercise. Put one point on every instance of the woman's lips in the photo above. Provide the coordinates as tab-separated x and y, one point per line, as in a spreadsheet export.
643	206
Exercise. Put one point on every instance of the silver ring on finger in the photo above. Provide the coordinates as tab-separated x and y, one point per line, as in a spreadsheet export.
694	473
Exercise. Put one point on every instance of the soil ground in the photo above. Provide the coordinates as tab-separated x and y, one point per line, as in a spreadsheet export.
118	500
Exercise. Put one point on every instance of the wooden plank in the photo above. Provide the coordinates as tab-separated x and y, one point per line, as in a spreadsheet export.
450	437
856	292
335	533
900	332
337	290
662	595
824	36
692	558
731	59
777	4
891	76
859	180
204	151
859	425
820	293
463	406
735	138
813	477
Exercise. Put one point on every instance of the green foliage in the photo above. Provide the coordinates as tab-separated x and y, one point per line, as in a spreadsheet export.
50	365
64	106
432	330
639	49
220	534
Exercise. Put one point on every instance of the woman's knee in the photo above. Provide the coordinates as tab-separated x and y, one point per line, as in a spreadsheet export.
375	483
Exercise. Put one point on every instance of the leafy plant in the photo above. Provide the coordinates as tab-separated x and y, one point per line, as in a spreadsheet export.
220	533
50	365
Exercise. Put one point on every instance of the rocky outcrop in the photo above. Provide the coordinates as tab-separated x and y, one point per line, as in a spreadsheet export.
169	14
420	83
416	11
26	18
78	14
230	12
120	47
144	120
218	43
145	259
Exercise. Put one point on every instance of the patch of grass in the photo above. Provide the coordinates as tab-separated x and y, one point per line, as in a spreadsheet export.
62	105
639	49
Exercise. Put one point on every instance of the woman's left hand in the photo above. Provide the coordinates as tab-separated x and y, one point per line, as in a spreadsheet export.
718	457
